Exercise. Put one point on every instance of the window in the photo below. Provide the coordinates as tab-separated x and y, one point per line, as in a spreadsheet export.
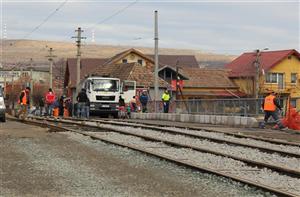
271	77
140	61
293	77
124	61
108	85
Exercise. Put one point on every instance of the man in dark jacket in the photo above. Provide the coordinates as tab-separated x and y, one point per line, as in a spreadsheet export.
83	102
144	100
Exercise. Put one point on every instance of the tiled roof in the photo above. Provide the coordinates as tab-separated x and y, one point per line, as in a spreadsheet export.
130	71
87	65
119	56
183	60
216	93
243	65
207	78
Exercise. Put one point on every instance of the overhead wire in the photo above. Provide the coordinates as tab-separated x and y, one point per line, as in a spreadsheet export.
114	14
46	19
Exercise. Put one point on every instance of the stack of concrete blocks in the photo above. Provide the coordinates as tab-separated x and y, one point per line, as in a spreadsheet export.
235	121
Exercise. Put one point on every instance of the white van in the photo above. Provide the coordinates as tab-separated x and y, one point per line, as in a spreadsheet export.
2	106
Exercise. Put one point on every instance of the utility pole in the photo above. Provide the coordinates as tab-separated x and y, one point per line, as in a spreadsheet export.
31	80
78	44
156	59
257	70
50	58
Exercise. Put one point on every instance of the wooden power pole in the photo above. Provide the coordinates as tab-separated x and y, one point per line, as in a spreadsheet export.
78	44
50	58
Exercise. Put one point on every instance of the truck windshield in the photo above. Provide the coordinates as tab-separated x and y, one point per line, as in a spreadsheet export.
108	85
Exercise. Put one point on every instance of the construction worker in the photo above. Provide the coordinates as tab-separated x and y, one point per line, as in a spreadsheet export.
24	102
166	100
50	99
83	104
133	104
144	100
269	105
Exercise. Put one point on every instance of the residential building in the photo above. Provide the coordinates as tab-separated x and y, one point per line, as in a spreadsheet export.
134	65
37	74
205	83
278	71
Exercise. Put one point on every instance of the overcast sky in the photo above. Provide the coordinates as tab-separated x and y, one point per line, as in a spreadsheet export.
227	27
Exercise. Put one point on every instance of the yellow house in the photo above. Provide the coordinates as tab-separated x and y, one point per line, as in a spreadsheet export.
277	71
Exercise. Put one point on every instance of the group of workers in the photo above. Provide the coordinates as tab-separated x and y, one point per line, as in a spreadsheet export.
56	107
48	105
133	104
143	100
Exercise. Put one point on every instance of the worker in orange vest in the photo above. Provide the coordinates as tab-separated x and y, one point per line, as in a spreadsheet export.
24	101
269	105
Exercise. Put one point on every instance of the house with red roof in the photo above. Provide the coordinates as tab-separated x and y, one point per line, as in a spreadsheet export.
134	65
277	71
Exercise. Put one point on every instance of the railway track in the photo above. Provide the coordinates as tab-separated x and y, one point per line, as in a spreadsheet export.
238	135
238	168
204	134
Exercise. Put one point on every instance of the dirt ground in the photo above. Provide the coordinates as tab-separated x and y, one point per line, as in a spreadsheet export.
35	162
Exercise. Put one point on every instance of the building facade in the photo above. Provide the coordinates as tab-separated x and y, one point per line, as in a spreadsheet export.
277	71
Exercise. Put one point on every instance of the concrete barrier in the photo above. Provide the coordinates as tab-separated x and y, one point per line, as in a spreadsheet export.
235	121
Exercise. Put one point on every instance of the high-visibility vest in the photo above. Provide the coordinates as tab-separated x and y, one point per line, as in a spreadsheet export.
24	98
166	97
269	104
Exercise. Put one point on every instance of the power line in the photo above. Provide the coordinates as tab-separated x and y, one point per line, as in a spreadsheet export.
45	20
114	14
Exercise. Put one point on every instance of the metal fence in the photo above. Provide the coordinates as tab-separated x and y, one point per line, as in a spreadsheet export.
237	107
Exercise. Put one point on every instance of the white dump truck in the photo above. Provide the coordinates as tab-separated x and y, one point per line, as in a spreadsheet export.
104	93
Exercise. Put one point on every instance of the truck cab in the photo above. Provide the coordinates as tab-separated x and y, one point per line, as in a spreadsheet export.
103	93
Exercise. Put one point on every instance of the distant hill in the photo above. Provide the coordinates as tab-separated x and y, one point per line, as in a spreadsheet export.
20	51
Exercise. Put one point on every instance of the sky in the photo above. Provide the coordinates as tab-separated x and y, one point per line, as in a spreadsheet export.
225	27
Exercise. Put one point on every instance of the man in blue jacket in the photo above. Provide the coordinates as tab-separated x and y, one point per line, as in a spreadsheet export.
144	100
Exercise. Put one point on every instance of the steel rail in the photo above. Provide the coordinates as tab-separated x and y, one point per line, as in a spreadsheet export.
214	139
168	158
280	169
208	130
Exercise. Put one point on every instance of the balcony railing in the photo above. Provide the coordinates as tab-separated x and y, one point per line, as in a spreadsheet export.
281	88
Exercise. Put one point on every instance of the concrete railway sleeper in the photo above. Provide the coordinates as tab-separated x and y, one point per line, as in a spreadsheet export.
218	137
242	171
268	147
237	135
282	164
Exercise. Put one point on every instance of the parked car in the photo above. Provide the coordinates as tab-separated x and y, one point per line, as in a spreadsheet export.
2	107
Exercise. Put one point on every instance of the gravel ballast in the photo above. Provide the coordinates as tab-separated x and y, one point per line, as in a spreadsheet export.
221	186
238	151
206	160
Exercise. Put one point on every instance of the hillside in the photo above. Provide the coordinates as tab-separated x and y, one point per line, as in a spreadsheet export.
20	51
